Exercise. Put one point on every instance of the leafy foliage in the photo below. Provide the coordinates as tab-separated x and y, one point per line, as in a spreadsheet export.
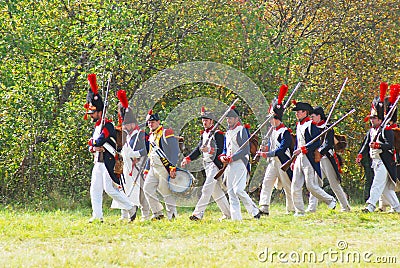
48	48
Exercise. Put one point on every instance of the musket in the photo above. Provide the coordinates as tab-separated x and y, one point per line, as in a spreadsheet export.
386	119
103	116
287	103
334	104
222	170
137	177
287	164
219	122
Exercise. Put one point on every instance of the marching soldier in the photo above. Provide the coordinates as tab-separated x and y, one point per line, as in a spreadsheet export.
212	164
134	154
278	152
380	145
329	162
305	169
157	170
103	146
238	167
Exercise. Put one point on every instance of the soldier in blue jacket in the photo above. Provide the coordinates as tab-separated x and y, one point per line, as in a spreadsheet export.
209	152
103	147
157	170
305	168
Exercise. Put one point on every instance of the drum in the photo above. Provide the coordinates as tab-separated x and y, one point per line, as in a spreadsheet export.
182	182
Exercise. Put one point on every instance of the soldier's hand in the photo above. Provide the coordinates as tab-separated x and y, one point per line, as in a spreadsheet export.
265	148
184	162
99	149
375	145
172	173
204	149
297	151
262	154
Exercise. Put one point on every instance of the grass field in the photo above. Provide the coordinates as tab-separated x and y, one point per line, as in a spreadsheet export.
66	239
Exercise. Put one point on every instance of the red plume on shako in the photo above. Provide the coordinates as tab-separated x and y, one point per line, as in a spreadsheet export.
383	88
121	95
94	101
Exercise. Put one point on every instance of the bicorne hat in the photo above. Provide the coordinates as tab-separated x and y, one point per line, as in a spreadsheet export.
303	106
319	111
206	114
152	116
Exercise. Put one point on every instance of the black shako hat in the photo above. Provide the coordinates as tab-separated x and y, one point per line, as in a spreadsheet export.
94	102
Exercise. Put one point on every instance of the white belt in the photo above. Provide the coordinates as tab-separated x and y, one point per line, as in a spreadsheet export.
110	148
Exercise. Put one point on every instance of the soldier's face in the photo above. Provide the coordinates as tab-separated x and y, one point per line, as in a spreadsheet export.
301	114
129	127
153	125
207	123
232	121
375	121
95	116
275	122
315	118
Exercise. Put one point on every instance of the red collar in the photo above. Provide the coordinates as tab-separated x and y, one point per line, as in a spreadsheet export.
320	123
281	125
392	126
209	129
135	128
98	122
305	119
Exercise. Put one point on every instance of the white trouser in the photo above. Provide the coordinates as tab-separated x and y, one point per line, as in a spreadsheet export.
157	179
236	176
329	172
304	172
100	181
273	173
382	185
133	186
211	187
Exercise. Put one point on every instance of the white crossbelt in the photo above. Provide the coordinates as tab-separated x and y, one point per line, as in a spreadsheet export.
110	148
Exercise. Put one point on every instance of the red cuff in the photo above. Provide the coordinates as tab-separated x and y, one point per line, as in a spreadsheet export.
188	160
229	159
303	149
90	142
376	145
221	155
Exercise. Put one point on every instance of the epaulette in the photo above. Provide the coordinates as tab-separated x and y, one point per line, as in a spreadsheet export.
105	132
247	126
290	130
202	132
220	132
169	132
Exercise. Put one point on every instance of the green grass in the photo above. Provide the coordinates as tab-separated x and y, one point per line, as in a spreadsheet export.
66	239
